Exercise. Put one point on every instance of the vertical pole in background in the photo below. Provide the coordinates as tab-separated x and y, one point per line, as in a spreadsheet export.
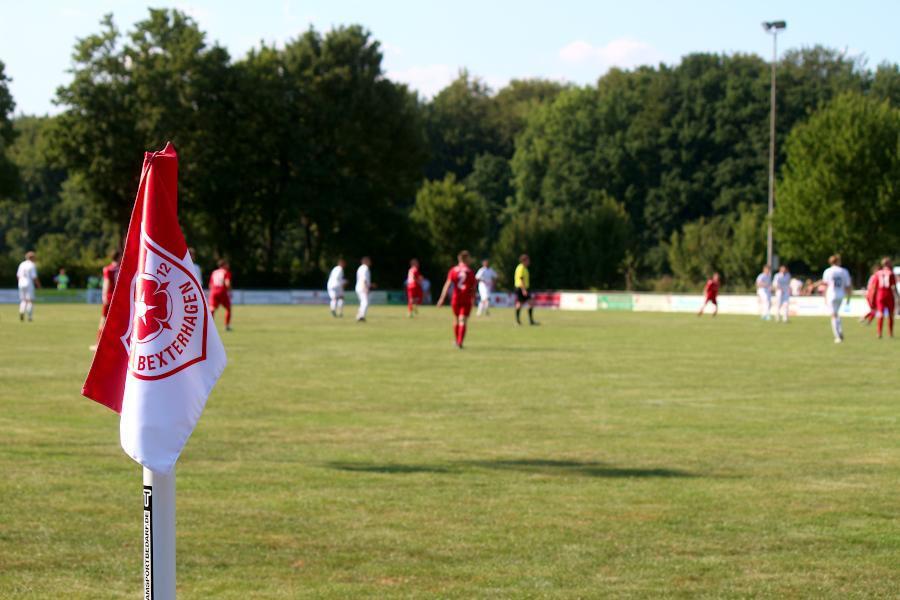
769	241
159	535
772	27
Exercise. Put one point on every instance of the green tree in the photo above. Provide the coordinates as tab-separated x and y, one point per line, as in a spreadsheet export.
569	249
459	122
8	174
451	217
698	250
491	178
839	191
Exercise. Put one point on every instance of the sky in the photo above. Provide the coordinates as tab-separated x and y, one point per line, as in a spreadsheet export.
427	42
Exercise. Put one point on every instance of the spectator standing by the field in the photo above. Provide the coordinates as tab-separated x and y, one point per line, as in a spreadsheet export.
363	287
426	290
796	286
61	280
413	288
711	293
886	295
335	288
764	292
837	282
782	283
462	279
27	280
220	291
486	277
522	282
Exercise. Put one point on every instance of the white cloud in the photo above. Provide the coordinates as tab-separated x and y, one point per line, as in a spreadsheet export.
428	80
621	52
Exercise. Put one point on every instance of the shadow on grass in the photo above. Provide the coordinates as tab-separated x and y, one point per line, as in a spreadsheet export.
390	469
534	466
576	467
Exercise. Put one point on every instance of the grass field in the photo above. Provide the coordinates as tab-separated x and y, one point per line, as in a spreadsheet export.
599	455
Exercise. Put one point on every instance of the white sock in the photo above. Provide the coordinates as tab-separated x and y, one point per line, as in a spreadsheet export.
340	305
30	309
23	306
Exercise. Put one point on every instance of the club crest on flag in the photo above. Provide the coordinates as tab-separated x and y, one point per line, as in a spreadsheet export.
167	329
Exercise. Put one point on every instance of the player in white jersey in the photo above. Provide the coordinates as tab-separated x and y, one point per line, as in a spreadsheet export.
363	287
335	287
839	285
486	277
764	292
782	283
27	277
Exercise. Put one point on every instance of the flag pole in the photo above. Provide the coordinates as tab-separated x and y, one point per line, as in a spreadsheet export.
159	535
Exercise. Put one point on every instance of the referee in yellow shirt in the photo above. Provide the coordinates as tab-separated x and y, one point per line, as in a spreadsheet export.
522	281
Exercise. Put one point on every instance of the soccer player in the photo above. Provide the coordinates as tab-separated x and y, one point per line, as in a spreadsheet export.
522	281
711	290
485	277
27	277
413	288
837	281
886	295
782	283
363	287
220	291
764	292
871	292
335	287
61	280
462	278
107	287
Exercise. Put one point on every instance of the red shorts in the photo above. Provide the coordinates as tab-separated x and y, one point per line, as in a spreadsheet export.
414	294
713	299
217	299
883	303
461	307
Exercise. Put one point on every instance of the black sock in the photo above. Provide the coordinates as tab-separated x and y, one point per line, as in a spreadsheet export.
530	315
518	312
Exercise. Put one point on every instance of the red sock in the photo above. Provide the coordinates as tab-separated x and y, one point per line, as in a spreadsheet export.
227	317
880	324
462	333
456	332
891	324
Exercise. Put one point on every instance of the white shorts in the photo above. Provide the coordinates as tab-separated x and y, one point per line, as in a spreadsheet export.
484	291
783	299
335	293
835	304
26	294
764	295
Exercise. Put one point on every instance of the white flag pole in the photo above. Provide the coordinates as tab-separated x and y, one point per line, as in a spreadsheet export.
159	535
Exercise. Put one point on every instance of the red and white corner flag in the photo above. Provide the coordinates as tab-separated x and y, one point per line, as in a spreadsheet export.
159	354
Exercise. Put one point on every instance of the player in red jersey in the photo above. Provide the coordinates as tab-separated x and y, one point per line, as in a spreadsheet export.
885	295
220	291
413	288
110	275
712	294
871	289
462	278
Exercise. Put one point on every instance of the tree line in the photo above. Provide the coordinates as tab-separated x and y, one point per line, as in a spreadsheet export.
294	156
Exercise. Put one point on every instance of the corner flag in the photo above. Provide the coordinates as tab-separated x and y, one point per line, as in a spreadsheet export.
159	353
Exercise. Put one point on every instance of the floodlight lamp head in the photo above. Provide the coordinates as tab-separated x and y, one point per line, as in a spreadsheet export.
774	26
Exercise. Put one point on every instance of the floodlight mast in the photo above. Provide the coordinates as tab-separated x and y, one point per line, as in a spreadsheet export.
772	27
